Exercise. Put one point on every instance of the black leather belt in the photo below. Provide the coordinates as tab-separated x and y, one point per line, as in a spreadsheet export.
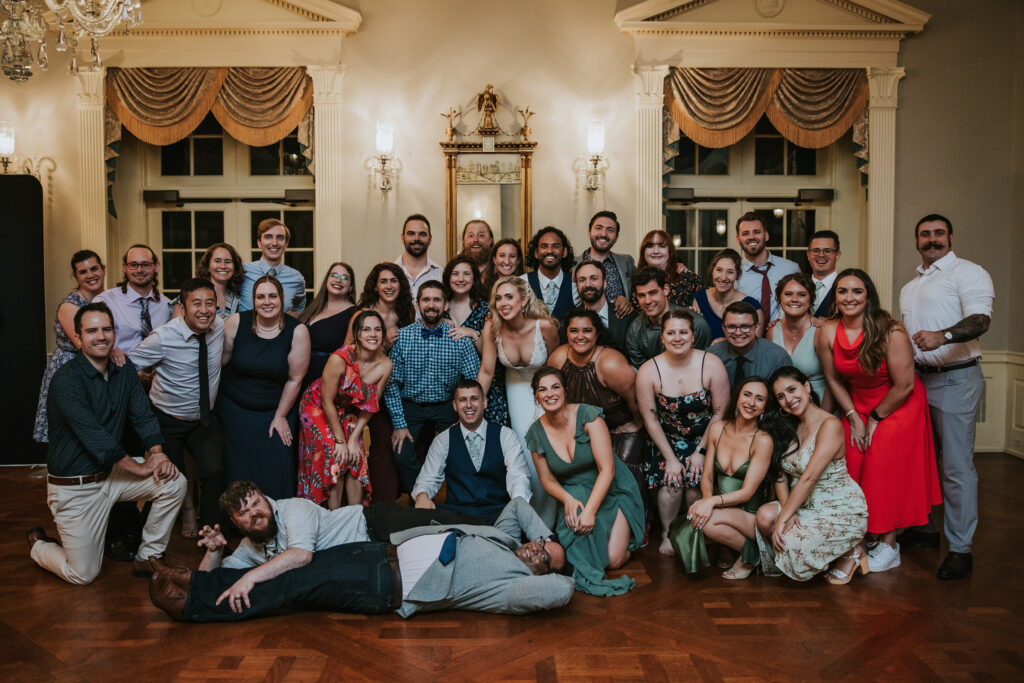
76	481
396	576
934	369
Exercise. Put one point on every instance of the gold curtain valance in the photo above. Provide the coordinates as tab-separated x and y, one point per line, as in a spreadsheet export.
257	106
809	107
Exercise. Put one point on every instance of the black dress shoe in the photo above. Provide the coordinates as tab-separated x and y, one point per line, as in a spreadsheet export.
917	538
37	533
119	549
166	595
956	566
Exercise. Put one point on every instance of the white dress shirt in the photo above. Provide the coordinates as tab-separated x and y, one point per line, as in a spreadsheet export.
517	474
174	350
432	272
941	296
828	283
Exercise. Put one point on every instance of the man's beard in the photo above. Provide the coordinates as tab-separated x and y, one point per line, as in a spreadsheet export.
479	258
590	294
267	534
416	249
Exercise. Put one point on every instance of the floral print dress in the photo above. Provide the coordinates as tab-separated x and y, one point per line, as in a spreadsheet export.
318	468
684	420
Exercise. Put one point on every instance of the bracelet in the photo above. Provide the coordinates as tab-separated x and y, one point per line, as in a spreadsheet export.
851	410
722	498
875	416
701	450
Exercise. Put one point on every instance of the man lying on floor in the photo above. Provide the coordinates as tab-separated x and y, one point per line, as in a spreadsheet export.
296	554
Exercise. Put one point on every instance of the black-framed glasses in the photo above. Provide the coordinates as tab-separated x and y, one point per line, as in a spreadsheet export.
137	265
827	251
745	327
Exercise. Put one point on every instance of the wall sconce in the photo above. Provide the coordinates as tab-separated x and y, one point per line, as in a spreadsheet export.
6	143
597	164
382	169
778	213
720	226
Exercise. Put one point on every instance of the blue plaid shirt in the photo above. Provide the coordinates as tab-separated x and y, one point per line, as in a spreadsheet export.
426	370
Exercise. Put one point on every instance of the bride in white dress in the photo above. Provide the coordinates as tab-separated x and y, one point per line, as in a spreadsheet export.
519	334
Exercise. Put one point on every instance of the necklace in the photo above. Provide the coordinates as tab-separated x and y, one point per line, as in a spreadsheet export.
266	330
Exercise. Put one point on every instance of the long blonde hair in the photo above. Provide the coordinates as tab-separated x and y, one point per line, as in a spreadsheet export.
533	310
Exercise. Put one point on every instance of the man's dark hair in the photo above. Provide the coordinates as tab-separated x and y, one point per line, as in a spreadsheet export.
123	284
193	284
231	500
467	383
603	214
431	284
596	264
568	261
934	217
646	275
416	217
750	216
740	308
824	235
94	307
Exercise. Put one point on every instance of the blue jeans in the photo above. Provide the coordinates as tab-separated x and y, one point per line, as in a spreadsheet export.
354	577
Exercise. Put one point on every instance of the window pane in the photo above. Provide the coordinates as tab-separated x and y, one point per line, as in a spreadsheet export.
264	160
686	257
769	154
686	162
209	156
773	224
704	257
714	228
800	227
801	161
714	161
301	225
174	158
257	217
209	228
301	261
177	268
294	162
209	126
177	229
682	227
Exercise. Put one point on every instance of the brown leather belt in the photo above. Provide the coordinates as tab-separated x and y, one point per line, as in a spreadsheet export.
396	576
933	369
76	481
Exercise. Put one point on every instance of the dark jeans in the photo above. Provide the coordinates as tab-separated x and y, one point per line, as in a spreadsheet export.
433	416
206	444
355	577
384	519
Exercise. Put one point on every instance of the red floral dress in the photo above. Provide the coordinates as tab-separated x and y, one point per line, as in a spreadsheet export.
318	469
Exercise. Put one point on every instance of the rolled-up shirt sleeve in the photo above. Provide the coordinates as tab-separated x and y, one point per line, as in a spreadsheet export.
975	290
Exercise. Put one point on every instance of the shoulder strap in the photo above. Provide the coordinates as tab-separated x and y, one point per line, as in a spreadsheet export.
702	359
660	383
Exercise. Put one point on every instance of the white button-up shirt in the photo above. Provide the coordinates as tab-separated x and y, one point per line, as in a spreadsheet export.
941	296
174	350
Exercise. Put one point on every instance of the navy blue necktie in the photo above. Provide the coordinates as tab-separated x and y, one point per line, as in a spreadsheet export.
448	548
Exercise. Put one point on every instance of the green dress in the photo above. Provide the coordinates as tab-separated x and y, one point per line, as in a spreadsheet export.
589	553
689	542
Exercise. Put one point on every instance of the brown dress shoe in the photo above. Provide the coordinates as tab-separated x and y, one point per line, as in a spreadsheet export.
145	568
177	573
955	566
37	533
163	593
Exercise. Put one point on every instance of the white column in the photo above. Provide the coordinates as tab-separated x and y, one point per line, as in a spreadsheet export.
883	84
327	240
650	88
92	195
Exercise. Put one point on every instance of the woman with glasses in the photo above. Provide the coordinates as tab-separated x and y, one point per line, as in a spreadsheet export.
724	272
328	316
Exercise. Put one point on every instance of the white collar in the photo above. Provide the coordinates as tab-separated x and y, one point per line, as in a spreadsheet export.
828	280
942	264
544	279
481	431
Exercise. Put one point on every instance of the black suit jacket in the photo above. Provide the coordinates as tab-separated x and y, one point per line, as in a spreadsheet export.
616	326
826	303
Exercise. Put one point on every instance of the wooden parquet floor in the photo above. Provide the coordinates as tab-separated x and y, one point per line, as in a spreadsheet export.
902	624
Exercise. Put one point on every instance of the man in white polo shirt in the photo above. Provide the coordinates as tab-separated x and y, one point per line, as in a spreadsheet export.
945	309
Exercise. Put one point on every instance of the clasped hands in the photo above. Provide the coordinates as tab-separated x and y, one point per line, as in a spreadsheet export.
347	452
578	518
860	433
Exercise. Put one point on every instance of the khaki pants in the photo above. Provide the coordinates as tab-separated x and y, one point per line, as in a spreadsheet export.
81	514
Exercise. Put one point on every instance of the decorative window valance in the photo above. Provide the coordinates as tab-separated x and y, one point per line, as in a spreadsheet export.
257	106
809	107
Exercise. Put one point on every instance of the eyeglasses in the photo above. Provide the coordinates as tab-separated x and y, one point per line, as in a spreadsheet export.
544	553
341	276
823	252
745	327
138	265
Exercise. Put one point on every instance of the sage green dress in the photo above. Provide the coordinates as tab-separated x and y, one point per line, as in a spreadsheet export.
589	553
689	542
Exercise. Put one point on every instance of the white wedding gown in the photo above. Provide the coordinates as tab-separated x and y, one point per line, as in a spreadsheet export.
523	411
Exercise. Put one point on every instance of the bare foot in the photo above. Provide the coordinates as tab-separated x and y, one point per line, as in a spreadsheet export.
666	547
189	525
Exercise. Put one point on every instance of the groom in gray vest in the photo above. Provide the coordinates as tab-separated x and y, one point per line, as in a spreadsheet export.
482	464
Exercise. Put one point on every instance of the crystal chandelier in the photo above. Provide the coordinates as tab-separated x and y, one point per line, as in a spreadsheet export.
24	31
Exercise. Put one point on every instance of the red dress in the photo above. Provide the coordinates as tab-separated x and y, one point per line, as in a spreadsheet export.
318	469
897	472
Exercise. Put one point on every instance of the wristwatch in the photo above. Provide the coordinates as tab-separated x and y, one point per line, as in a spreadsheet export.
948	336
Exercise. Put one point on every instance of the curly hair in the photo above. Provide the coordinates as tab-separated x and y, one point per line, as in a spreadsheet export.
533	309
403	304
568	261
878	323
476	290
237	278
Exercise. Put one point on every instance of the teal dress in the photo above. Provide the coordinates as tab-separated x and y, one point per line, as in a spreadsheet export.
805	358
589	553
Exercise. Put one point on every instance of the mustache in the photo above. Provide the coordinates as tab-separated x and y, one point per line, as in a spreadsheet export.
933	245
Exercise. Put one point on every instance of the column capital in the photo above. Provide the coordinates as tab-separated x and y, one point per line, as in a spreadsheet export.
882	84
650	84
89	86
326	83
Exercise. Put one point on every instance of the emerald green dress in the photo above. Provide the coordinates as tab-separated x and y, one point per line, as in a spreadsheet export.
689	542
589	553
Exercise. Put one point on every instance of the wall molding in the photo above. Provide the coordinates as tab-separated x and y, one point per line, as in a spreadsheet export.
1002	430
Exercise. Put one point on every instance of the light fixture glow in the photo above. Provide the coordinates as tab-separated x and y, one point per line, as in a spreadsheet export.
385	137
6	138
720	226
595	137
779	213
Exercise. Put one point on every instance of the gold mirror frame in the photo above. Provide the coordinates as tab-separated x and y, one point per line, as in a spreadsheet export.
452	150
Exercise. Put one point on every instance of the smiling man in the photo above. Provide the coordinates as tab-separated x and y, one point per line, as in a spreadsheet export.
187	355
272	237
477	240
295	553
482	465
742	351
414	262
551	257
643	338
88	471
823	255
136	303
761	270
619	269
945	309
590	283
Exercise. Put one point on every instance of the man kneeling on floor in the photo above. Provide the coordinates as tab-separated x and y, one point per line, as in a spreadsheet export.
297	554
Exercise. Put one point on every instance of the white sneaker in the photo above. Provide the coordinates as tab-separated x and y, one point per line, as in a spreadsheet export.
883	557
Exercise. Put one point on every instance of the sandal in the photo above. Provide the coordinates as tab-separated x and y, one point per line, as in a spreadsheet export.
734	574
837	577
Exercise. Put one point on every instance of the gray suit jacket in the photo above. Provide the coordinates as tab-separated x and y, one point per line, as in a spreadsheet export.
627	269
485	575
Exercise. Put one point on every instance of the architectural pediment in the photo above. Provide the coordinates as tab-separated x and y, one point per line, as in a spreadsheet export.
203	16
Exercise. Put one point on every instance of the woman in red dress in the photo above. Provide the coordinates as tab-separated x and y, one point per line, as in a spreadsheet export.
869	365
333	412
